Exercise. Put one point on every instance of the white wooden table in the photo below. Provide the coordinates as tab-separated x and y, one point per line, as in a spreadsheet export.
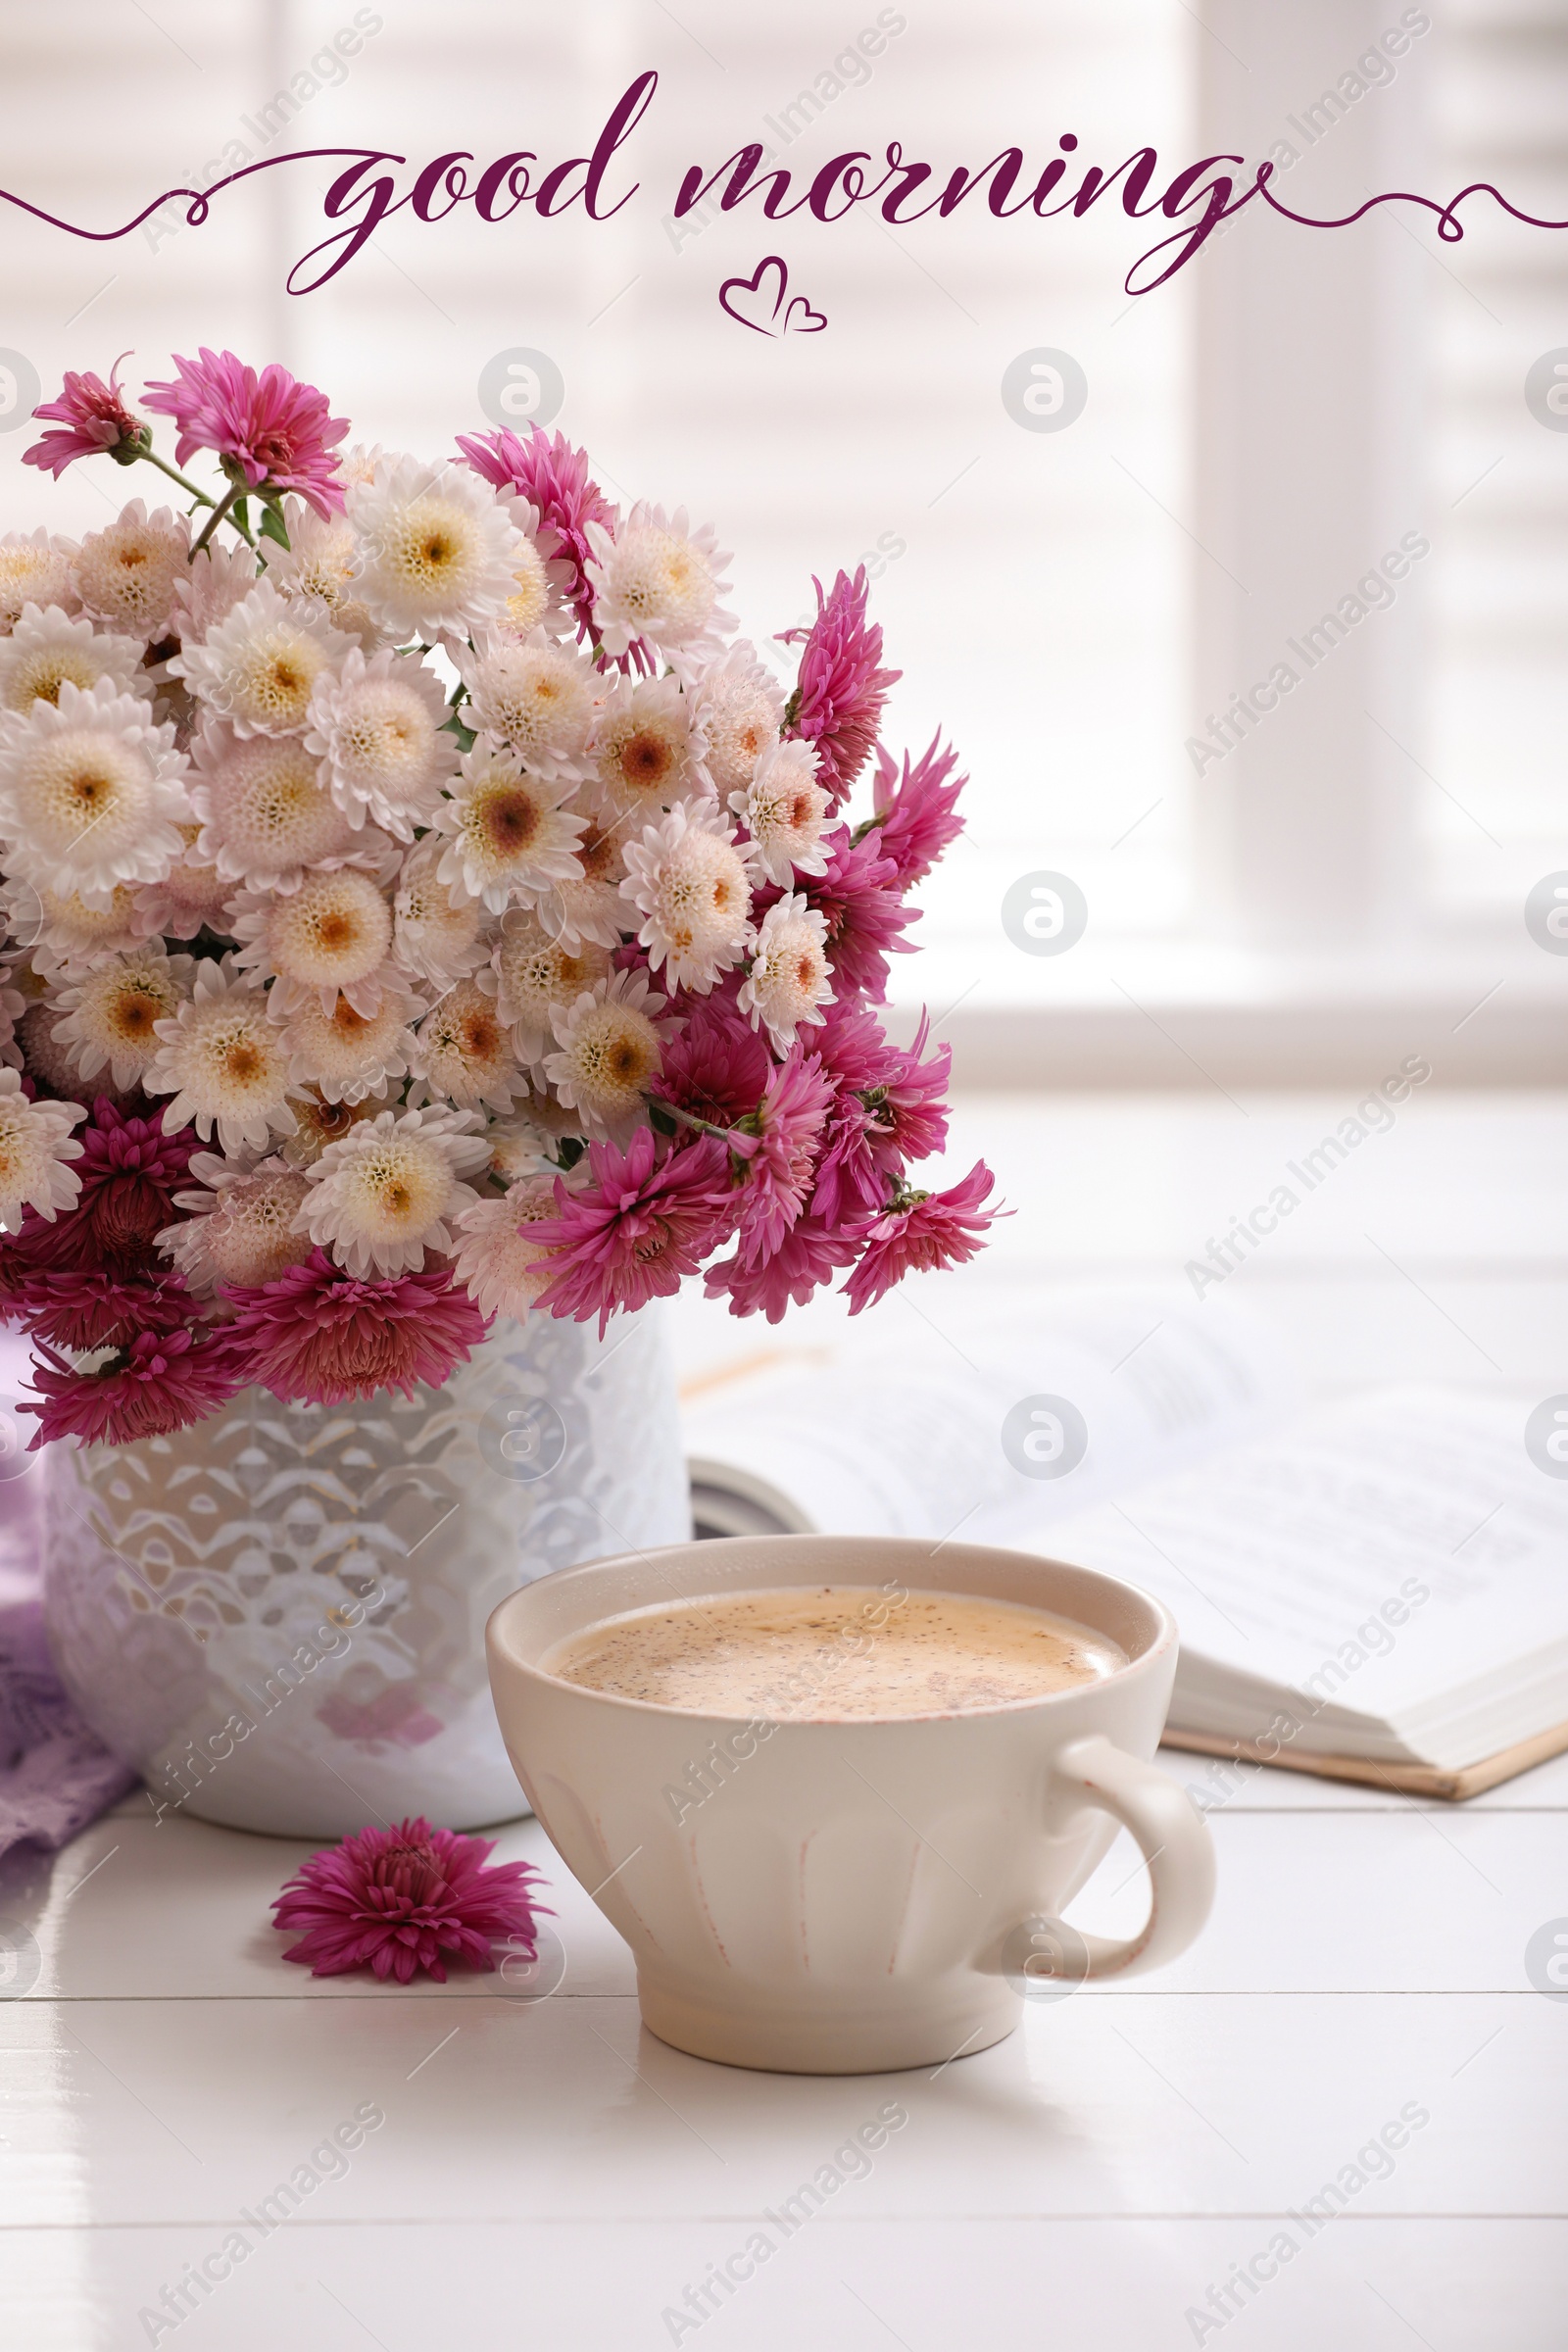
547	2177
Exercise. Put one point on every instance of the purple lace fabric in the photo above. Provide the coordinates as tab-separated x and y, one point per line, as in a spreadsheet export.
54	1775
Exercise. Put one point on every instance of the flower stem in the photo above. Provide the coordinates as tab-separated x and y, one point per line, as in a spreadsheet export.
220	513
688	1118
150	456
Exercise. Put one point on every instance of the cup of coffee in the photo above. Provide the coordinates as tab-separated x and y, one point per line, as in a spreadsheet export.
835	1792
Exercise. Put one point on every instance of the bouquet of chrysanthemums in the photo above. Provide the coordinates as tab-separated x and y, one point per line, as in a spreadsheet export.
421	908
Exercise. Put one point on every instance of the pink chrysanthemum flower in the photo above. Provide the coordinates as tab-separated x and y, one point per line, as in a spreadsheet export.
838	702
916	809
809	1254
858	894
164	1380
271	429
852	1166
319	1336
911	1114
554	478
781	1154
717	1066
397	1899
130	1171
90	1310
648	1218
920	1231
96	422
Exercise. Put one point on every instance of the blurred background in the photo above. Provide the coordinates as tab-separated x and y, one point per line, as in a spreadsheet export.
1303	896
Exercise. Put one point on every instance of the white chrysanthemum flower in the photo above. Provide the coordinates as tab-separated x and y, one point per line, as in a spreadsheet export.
532	970
359	459
507	836
46	647
35	570
190	895
266	818
222	1062
211	585
127	575
788	979
517	1149
379	727
465	1052
36	1143
692	886
784	810
239	1226
320	563
437	550
111	1014
541	579
386	1195
13	1008
737	707
609	1052
641	749
259	666
91	792
536	695
436	935
42	1059
497	1263
65	935
332	935
320	1122
590	911
350	1056
659	580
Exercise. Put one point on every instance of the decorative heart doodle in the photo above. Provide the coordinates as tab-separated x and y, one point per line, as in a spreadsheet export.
767	287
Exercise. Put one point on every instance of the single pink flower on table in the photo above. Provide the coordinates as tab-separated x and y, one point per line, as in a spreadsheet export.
838	702
554	478
272	429
164	1380
918	1232
408	1898
917	814
319	1336
96	419
782	1155
648	1218
809	1254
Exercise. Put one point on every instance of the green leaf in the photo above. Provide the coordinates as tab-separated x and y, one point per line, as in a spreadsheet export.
272	525
570	1150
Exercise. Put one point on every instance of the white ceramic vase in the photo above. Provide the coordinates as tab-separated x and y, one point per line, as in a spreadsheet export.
278	1615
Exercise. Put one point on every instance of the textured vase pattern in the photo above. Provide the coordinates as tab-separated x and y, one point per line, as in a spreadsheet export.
277	1616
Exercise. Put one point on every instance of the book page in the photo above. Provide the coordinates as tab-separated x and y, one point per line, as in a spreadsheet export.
1381	1554
905	1429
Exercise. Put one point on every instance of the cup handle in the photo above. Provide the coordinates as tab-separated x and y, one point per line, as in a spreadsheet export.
1176	1846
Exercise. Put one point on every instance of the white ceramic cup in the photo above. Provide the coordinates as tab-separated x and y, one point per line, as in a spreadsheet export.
843	1898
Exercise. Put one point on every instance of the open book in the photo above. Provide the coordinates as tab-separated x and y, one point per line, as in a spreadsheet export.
1375	1588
